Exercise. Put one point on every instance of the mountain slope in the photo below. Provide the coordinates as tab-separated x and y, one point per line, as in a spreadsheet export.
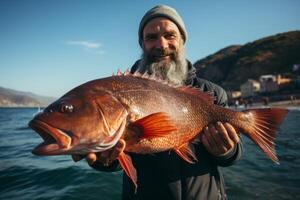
233	65
14	98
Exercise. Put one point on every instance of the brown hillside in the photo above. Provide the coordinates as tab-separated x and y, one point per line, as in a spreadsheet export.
233	65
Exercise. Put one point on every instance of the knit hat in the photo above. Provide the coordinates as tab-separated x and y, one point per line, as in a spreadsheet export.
162	11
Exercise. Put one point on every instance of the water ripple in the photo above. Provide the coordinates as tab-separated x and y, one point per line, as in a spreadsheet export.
25	176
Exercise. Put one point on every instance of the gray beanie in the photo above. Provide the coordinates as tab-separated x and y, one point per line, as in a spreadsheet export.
162	11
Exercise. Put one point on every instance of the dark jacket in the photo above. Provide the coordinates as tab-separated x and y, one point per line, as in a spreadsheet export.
165	175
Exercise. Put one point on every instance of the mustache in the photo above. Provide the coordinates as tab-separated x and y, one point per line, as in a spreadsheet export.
152	55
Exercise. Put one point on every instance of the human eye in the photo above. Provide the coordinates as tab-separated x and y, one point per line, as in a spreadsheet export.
150	37
170	36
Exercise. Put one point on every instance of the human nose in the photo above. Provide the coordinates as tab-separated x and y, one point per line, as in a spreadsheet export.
161	43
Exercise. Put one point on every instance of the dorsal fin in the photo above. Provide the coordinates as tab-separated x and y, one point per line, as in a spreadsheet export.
127	72
119	73
204	96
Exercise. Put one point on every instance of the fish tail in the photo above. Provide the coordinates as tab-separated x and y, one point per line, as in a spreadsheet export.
260	126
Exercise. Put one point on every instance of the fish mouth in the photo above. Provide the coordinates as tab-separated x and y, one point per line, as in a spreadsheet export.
55	142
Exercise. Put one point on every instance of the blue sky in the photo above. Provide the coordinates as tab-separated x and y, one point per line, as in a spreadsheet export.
50	46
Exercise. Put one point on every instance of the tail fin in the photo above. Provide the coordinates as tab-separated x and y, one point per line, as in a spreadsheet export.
262	128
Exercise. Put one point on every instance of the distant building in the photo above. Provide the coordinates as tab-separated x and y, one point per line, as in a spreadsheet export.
272	83
268	83
282	80
250	88
234	94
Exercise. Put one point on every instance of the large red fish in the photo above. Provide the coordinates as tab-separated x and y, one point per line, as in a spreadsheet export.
149	115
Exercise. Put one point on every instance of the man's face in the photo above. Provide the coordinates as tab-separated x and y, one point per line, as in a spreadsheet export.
161	40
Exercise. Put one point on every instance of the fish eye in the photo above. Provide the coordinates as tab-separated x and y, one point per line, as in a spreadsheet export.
66	108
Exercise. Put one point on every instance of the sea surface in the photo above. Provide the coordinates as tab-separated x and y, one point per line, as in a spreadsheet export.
25	176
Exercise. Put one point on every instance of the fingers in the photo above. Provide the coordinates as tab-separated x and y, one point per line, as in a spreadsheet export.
220	138
207	142
108	156
232	133
91	158
118	149
213	141
77	158
105	157
207	139
223	135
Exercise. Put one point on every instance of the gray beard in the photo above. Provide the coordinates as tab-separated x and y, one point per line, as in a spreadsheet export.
175	71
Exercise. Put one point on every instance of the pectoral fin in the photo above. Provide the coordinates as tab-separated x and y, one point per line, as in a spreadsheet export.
155	125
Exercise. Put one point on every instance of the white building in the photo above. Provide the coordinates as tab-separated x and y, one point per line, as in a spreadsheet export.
250	88
272	83
268	83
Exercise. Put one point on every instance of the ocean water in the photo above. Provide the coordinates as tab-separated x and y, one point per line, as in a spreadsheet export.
25	176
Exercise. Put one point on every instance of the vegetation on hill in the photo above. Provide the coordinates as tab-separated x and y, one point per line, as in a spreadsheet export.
233	65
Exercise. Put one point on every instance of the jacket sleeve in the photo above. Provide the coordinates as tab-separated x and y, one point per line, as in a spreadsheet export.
231	157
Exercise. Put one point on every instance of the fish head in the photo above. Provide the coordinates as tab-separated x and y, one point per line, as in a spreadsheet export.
79	123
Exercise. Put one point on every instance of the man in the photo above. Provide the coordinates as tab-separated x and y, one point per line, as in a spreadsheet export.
165	175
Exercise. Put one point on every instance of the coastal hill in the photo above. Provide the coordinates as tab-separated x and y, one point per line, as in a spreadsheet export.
14	98
233	65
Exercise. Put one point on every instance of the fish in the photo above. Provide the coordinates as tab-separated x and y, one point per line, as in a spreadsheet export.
149	114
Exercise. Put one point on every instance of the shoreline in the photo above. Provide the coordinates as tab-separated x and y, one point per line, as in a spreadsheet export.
275	104
289	103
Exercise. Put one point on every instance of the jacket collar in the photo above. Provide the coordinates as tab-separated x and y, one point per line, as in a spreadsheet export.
191	74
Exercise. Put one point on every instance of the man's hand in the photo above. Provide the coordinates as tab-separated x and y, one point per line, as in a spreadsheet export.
219	139
105	157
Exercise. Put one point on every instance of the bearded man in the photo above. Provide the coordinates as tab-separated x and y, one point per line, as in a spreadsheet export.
164	175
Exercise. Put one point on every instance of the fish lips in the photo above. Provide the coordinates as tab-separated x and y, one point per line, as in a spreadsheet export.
55	142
